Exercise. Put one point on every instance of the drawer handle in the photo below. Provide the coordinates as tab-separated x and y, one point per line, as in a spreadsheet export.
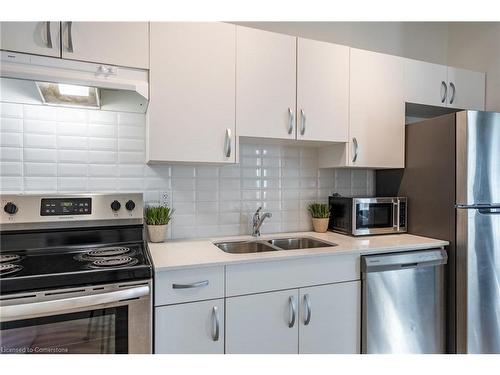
198	284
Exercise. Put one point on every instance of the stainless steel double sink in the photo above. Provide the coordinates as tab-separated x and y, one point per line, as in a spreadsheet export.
276	244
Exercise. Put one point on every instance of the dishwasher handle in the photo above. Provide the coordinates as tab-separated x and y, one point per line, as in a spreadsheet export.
402	261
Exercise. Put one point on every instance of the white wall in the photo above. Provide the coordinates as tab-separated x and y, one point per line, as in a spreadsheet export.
426	41
63	150
476	46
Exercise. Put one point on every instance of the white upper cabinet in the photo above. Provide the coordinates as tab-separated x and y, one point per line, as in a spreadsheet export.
377	110
39	38
115	43
265	84
192	87
330	319
322	91
425	83
443	86
466	89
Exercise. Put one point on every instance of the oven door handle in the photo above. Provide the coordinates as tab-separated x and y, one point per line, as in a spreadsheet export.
27	310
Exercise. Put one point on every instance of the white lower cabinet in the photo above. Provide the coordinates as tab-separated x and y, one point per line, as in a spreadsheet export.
190	328
330	319
263	323
318	319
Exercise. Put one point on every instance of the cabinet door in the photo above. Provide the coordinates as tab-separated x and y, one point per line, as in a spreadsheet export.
190	328
330	318
115	43
322	91
466	89
192	86
425	83
39	38
377	110
265	89
264	323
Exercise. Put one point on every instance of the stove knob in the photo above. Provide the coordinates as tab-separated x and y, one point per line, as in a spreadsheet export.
115	205
10	208
130	205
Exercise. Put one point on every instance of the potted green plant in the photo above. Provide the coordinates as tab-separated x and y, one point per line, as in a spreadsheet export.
157	219
320	214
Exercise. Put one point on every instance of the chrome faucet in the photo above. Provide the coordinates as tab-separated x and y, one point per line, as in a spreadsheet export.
258	220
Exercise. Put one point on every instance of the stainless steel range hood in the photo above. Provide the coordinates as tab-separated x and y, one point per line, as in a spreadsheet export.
31	79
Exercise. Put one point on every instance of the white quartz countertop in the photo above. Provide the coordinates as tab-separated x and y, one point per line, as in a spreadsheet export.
197	253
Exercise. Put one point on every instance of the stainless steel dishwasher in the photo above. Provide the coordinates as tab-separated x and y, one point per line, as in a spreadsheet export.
403	303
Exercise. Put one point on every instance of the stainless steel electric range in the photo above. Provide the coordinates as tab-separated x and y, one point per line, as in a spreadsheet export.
75	275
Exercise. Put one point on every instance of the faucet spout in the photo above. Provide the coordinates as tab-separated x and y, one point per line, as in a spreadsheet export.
258	220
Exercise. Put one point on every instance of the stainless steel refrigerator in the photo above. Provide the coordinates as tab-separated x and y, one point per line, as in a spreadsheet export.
452	181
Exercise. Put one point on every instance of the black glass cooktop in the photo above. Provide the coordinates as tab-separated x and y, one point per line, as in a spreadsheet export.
70	263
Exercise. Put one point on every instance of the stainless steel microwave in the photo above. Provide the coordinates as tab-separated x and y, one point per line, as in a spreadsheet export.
359	216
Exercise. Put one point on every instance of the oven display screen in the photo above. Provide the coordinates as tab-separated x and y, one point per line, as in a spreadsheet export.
65	206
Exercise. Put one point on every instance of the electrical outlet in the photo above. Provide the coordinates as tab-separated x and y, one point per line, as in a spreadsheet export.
164	199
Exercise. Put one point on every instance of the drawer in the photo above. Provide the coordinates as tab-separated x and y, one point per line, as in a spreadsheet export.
286	274
186	285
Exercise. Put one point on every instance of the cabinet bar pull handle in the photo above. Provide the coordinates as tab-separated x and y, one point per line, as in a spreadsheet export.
49	36
227	143
215	317
452	86
70	37
302	122
198	284
290	121
356	147
445	93
291	302
307	302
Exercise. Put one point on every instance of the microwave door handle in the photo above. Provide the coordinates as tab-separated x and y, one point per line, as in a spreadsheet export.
399	214
395	215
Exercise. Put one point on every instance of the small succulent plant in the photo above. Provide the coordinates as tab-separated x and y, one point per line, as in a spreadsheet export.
319	210
158	215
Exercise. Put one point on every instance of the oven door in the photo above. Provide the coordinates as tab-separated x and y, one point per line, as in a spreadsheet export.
92	320
375	216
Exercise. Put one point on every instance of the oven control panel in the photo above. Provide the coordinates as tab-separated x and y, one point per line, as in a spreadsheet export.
87	209
65	206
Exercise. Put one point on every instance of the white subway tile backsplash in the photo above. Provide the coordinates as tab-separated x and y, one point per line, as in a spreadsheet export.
73	156
11	184
40	184
72	143
103	117
49	149
38	112
71	170
11	139
103	157
11	110
104	144
72	115
40	169
11	169
13	125
135	119
102	170
73	184
39	127
11	154
70	128
102	130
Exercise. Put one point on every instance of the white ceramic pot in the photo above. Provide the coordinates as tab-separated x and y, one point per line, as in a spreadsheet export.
320	225
157	233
